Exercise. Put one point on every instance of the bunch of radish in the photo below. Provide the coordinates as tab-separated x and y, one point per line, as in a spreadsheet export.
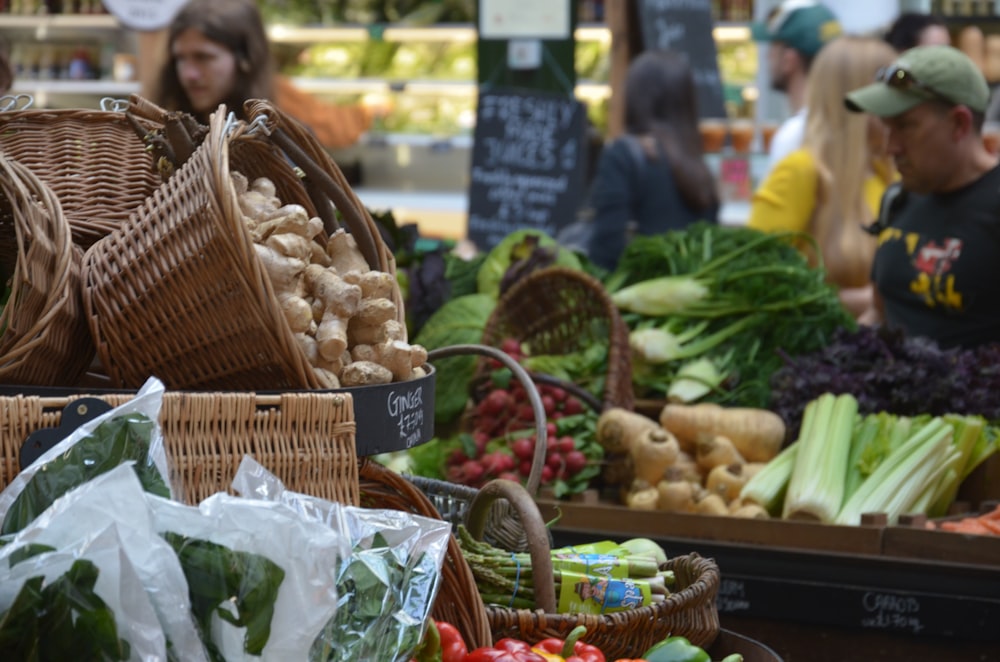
503	435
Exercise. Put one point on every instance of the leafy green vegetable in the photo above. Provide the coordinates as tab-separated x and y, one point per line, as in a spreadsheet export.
762	301
500	257
377	588
458	322
112	442
220	581
65	620
462	273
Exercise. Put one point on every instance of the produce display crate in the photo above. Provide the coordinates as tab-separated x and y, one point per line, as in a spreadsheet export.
838	577
43	331
912	539
177	290
306	439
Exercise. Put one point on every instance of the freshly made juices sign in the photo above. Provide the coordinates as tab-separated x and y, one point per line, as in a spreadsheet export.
144	14
527	164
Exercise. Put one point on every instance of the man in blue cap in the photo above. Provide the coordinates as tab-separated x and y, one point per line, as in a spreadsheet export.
937	265
796	31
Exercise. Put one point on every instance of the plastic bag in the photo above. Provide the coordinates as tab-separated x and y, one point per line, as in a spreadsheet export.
265	578
84	600
388	585
117	497
128	432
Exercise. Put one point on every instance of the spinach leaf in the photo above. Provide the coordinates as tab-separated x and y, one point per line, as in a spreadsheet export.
65	620
111	443
219	580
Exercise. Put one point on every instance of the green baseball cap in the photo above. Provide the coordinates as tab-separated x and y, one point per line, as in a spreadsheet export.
804	25
923	74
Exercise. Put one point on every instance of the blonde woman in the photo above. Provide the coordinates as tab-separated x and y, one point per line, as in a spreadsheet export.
831	187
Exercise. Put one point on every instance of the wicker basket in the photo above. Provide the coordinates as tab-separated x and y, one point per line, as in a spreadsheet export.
177	291
92	160
560	310
689	611
44	341
306	439
458	601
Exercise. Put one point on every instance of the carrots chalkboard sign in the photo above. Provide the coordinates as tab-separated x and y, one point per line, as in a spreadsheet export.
686	26
528	161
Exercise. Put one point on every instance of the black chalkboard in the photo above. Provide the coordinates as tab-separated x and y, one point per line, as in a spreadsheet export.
528	160
686	26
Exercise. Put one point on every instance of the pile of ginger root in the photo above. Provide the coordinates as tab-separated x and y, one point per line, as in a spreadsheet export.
340	310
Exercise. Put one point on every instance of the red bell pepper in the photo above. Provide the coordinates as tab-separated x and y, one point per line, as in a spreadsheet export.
572	649
505	650
453	647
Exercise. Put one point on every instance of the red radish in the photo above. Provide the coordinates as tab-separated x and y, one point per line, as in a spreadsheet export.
548	404
547	474
566	444
550	429
572	406
457	456
525	412
524	448
525	468
555	461
495	403
510	475
510	346
575	462
558	394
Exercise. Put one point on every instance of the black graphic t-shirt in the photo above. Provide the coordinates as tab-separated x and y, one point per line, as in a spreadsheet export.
937	266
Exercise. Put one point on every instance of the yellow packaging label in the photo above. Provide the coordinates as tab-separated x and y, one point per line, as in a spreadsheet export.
595	594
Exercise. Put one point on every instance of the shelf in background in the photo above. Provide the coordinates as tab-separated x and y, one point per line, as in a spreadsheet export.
589	91
287	34
88	87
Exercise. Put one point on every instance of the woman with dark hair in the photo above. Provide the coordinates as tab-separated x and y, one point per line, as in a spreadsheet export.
654	177
218	53
915	29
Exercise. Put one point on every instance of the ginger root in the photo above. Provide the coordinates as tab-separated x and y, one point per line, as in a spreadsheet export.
342	313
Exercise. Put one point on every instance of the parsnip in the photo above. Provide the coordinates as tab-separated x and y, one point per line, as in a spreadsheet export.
758	434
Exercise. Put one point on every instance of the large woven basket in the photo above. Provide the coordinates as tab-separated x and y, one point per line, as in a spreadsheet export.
306	439
458	601
560	310
177	291
44	339
92	160
689	611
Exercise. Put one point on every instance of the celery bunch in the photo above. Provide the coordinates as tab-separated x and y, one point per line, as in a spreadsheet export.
843	465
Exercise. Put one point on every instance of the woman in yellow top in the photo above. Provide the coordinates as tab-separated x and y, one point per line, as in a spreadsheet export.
831	187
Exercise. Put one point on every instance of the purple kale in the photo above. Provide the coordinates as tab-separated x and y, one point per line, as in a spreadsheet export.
887	371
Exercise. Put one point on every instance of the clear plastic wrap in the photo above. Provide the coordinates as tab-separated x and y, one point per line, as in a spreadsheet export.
262	579
388	584
84	601
117	497
130	432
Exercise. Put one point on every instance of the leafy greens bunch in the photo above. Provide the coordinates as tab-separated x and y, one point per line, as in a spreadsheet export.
730	298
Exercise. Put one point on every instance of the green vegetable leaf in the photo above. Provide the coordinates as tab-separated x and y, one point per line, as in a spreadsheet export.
112	442
500	257
458	322
65	620
221	580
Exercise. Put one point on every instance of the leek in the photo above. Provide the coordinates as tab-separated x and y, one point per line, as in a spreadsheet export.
768	486
816	487
898	481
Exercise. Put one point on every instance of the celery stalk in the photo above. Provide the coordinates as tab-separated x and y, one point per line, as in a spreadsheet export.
966	432
898	480
768	486
816	487
936	484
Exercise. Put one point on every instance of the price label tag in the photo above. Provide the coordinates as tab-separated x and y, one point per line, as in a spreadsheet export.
144	14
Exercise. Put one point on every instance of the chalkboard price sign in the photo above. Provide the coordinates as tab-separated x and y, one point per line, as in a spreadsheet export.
686	26
527	164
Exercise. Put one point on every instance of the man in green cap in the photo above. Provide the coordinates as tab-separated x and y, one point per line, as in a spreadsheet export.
937	267
796	31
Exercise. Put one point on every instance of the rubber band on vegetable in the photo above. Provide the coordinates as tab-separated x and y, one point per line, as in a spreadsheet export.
517	579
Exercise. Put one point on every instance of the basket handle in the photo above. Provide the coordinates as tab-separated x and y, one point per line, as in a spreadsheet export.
534	528
537	408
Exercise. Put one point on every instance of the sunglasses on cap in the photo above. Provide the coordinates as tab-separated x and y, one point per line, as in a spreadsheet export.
899	78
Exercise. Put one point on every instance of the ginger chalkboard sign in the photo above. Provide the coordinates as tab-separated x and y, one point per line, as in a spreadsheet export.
528	161
686	26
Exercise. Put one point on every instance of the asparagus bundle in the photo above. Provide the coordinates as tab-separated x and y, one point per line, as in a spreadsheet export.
600	578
